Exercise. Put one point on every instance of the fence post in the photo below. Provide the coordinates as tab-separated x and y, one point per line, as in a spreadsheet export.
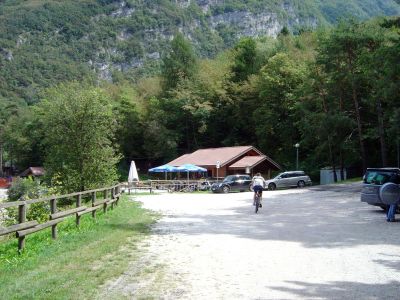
93	201
105	203
53	210
21	219
118	193
112	197
78	204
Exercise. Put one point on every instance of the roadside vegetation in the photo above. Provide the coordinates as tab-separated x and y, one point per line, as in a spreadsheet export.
79	261
334	91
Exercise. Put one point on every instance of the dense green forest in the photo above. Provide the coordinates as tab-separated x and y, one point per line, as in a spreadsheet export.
46	42
334	90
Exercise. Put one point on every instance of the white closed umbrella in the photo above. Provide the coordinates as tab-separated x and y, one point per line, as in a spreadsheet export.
133	174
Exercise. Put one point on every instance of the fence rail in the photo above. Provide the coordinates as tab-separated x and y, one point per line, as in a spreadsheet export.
110	198
169	185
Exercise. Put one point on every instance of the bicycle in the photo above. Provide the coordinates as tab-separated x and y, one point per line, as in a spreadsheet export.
257	200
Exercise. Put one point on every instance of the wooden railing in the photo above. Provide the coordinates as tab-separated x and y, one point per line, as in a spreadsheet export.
169	185
110	198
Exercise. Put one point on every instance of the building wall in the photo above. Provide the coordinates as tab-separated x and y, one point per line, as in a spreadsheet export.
264	168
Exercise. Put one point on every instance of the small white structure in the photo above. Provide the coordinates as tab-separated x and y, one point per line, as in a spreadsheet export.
133	174
327	176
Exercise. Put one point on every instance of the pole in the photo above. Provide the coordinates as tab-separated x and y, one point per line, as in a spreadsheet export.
398	153
297	158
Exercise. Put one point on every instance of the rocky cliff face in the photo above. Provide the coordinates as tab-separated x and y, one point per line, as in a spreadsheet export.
131	35
239	23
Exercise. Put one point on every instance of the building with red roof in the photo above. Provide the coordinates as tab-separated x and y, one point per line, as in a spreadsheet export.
231	160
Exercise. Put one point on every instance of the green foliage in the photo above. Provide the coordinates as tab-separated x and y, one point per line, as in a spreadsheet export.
22	139
331	91
245	59
78	127
25	189
179	64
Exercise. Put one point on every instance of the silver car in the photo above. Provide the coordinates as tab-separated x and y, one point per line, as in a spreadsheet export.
289	179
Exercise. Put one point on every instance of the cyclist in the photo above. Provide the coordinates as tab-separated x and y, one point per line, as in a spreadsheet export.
258	183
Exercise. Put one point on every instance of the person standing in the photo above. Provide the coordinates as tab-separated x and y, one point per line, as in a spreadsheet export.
390	215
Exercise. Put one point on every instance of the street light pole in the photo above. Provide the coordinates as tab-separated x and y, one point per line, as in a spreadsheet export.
297	155
398	153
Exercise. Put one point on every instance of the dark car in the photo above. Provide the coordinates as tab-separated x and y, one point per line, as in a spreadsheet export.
373	179
233	183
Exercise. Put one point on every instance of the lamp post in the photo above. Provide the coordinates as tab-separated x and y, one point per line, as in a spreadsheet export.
297	155
398	153
218	164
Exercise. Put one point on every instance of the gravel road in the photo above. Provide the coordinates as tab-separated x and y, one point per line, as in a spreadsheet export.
314	243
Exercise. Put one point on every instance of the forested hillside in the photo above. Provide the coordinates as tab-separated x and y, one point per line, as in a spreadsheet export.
176	76
50	41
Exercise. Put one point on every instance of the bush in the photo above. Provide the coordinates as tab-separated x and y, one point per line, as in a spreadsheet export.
24	189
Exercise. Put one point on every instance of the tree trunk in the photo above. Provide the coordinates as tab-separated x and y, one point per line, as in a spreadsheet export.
381	131
351	69
359	128
341	165
334	173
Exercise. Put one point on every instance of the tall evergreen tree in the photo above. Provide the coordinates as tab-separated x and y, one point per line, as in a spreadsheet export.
179	64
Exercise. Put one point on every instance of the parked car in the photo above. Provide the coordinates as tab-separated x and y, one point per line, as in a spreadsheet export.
289	179
233	183
373	179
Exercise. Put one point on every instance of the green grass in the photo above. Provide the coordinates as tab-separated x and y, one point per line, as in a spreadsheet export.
79	261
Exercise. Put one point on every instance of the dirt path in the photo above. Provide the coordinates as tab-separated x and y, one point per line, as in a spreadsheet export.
305	244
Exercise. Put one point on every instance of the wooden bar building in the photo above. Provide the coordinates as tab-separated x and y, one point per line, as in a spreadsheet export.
231	160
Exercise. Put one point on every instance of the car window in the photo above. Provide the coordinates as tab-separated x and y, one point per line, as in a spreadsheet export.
377	177
229	178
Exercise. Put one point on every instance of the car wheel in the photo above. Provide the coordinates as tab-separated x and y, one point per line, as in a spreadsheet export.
226	189
272	186
301	184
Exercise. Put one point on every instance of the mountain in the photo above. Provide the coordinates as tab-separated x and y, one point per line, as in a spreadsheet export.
44	42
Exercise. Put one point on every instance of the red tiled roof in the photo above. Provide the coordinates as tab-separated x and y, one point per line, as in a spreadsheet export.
209	157
248	161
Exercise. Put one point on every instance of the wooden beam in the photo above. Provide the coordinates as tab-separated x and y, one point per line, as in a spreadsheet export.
88	210
23	233
17	227
66	213
97	203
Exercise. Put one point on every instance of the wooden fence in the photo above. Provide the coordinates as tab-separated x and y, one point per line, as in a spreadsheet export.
110	197
169	185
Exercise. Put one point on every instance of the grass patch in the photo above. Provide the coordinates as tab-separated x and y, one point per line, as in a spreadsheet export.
81	259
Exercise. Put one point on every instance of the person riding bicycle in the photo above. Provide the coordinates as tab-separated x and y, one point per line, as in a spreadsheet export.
258	183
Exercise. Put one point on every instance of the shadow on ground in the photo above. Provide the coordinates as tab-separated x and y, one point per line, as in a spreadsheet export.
313	218
341	290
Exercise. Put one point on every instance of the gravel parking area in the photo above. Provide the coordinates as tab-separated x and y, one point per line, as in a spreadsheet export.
314	243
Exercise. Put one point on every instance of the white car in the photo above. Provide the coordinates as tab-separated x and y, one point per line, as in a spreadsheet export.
289	179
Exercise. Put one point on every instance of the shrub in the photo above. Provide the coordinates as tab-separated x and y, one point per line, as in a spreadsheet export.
24	189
